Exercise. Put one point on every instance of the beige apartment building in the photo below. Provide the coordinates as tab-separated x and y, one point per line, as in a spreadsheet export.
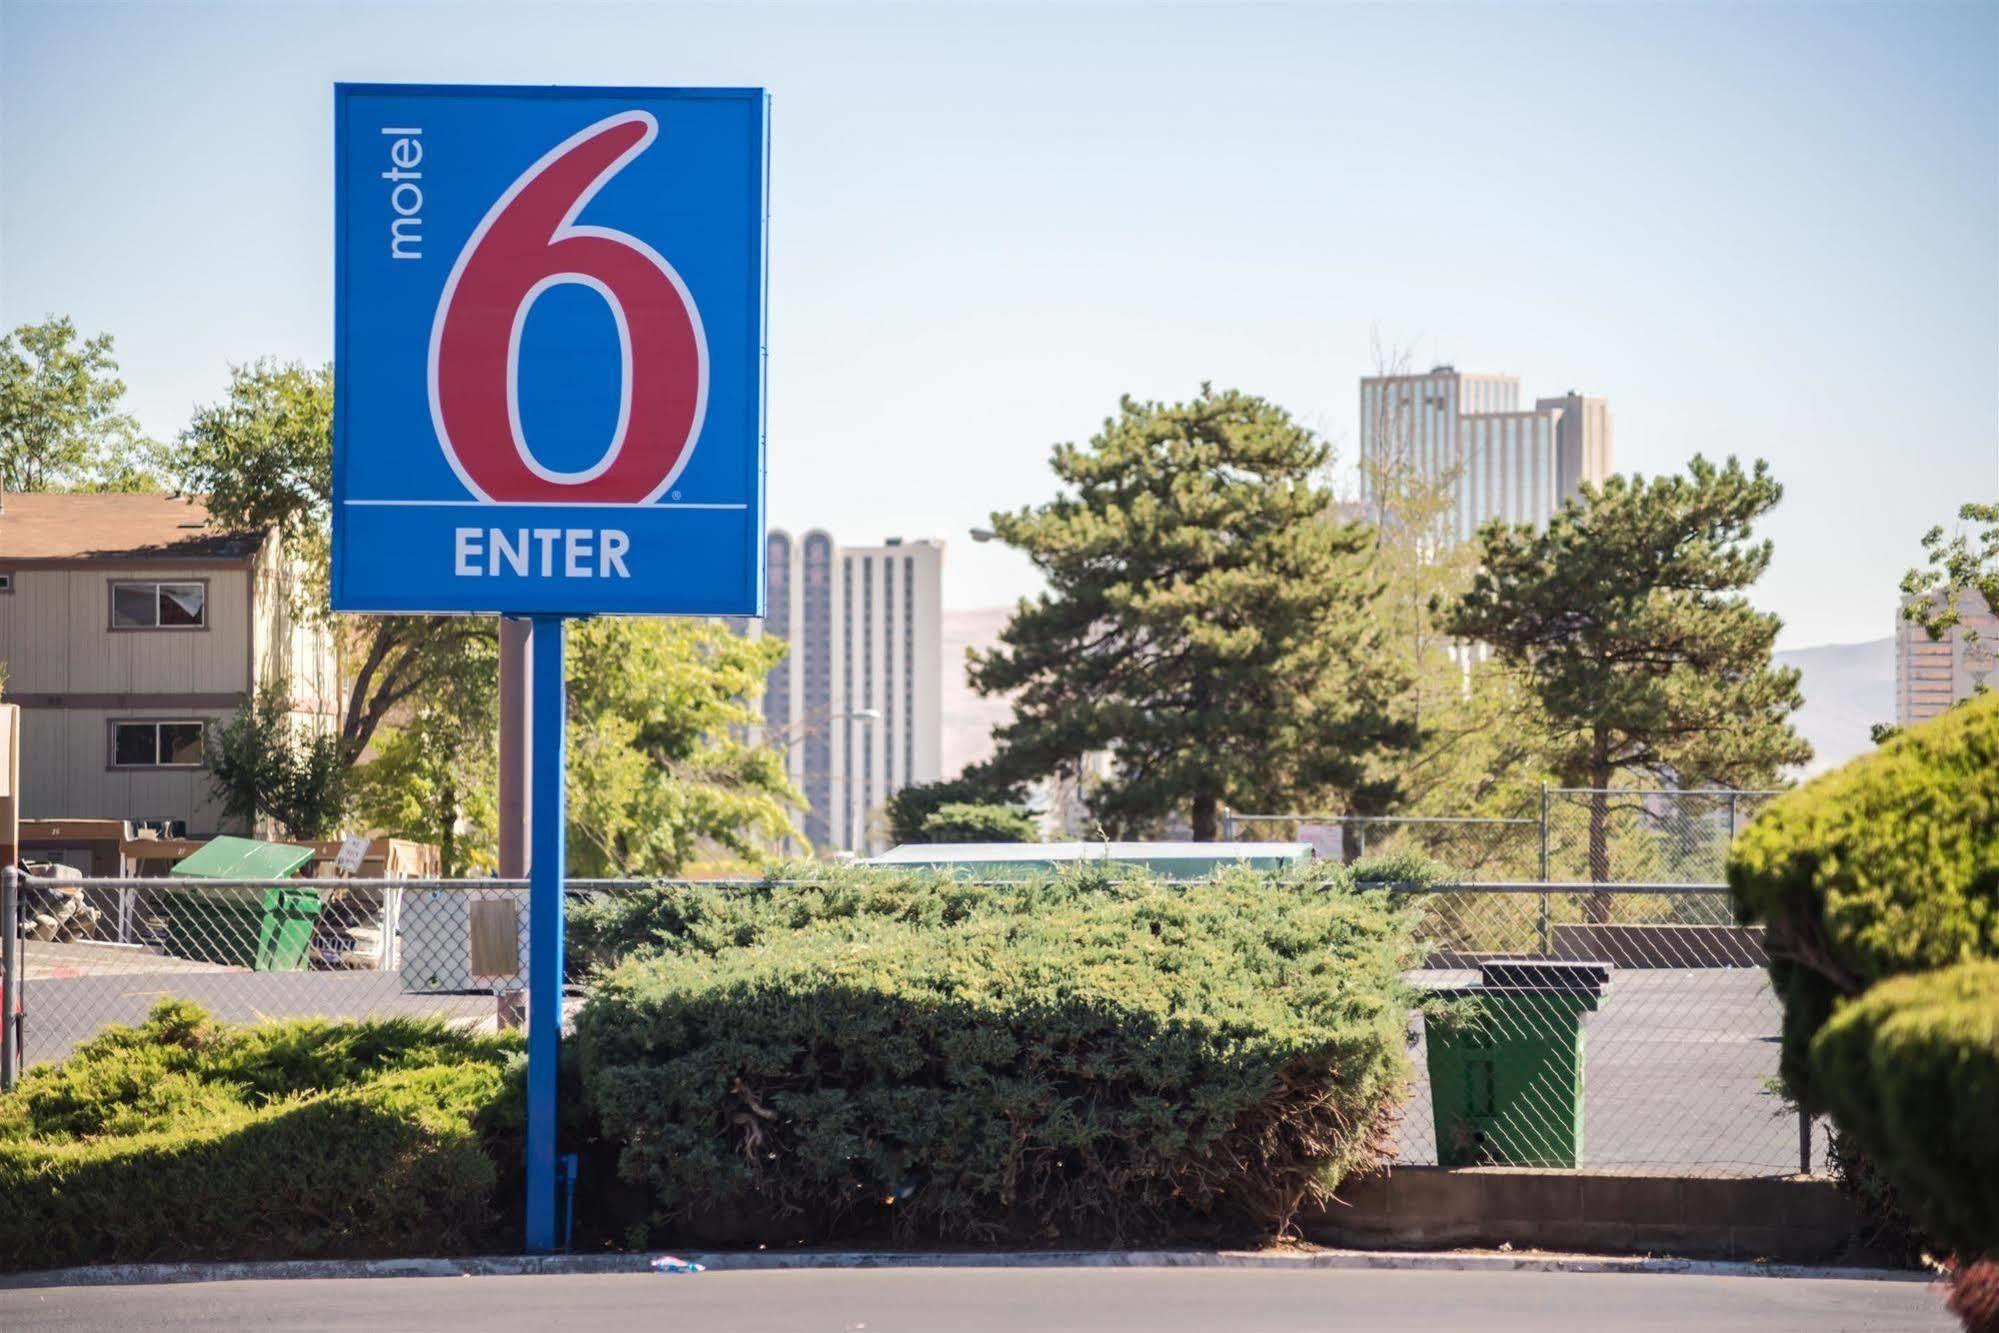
1932	674
130	628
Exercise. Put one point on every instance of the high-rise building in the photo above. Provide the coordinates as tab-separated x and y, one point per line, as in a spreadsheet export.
1502	461
857	701
1932	674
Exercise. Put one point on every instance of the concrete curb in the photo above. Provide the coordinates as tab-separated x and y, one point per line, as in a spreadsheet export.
503	1265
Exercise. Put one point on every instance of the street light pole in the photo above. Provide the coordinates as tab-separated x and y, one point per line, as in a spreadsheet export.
808	727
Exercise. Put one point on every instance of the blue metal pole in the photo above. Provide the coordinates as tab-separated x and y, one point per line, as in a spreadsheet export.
546	857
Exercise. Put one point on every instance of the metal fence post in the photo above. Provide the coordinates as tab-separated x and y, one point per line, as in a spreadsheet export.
1542	921
1228	824
10	969
1804	1142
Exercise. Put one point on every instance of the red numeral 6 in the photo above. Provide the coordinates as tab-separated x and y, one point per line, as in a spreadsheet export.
527	243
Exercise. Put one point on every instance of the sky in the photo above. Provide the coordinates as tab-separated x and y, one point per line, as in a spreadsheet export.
1769	231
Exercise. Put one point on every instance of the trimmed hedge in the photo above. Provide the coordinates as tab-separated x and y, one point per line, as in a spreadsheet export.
186	1139
1886	866
1911	1069
1061	1061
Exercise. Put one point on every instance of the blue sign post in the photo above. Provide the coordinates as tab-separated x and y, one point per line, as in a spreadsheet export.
548	395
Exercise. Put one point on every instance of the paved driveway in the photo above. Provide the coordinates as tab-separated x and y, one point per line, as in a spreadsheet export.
1177	1300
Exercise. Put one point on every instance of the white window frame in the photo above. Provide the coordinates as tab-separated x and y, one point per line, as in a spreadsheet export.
156	723
159	587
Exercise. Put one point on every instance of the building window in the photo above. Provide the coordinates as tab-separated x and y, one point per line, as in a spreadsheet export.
157	744
6	582
159	606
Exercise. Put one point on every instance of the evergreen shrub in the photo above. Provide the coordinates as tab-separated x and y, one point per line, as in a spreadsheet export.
188	1139
1886	866
1911	1070
1073	1059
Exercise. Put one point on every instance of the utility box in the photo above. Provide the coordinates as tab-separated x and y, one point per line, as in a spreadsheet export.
464	940
1506	1083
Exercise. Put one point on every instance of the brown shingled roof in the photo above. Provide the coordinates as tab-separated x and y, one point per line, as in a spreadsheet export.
46	526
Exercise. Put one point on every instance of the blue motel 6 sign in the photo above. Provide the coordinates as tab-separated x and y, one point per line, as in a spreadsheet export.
549	350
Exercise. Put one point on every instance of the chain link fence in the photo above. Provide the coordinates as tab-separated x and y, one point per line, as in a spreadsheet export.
1674	1075
1673	1068
1572	835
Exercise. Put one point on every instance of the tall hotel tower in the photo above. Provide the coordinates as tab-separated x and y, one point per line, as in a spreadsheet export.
857	701
1504	461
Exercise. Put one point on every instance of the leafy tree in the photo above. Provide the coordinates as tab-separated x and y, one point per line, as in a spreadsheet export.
1957	565
1627	614
909	809
60	427
1207	620
659	760
962	821
263	457
435	780
1481	739
265	764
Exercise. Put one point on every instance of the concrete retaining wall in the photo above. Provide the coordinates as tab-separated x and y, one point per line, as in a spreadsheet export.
1790	1220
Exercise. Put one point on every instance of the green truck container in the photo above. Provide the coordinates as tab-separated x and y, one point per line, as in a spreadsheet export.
269	929
1506	1080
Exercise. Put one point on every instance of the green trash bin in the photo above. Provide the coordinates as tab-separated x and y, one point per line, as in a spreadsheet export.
1506	1084
269	929
219	925
266	929
284	936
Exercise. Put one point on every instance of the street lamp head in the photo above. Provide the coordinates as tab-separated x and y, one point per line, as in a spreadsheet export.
866	715
984	535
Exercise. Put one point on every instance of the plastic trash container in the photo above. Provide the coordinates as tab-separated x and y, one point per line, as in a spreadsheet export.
284	936
266	929
269	929
218	925
1506	1085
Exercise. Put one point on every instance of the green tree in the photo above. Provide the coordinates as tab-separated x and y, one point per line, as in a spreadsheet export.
1207	620
1957	565
264	763
1628	616
660	760
60	424
911	807
963	821
1481	740
263	458
435	780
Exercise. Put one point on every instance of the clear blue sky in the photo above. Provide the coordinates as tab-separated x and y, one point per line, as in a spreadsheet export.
1766	231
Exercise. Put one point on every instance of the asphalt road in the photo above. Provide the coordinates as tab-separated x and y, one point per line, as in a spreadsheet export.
1176	1300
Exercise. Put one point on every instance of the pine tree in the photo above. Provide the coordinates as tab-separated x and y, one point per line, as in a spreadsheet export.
1208	620
1628	615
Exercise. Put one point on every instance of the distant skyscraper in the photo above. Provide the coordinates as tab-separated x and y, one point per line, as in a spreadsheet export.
856	702
1931	675
1506	462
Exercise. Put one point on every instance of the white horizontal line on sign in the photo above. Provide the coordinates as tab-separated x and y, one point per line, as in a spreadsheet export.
536	504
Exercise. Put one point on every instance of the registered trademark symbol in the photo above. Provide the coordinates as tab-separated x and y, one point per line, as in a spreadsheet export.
676	495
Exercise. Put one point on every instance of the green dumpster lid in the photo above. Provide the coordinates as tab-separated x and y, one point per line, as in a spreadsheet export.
243	858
